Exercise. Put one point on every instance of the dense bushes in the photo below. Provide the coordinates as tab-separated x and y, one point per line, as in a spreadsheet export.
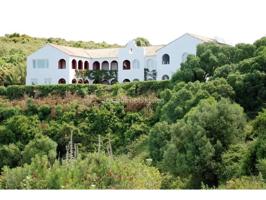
39	146
131	89
243	67
93	172
245	183
199	140
174	104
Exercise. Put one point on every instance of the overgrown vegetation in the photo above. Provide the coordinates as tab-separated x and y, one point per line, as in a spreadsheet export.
205	128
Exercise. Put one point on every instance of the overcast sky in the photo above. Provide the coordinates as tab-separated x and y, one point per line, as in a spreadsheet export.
118	21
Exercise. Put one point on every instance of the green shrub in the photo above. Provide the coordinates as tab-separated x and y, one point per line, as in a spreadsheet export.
94	172
81	92
31	108
7	112
15	91
40	145
92	88
144	87
44	112
10	155
132	89
262	167
252	182
3	91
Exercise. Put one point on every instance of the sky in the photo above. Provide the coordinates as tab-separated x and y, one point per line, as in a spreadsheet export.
118	21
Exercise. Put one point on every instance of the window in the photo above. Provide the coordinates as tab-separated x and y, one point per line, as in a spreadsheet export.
40	63
166	59
62	64
62	81
184	56
74	81
126	65
96	65
74	64
105	65
126	81
136	64
80	65
86	81
114	65
135	80
86	65
165	77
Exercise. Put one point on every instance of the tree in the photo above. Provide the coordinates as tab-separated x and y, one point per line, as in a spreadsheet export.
257	149
260	42
253	84
183	97
199	140
40	145
142	42
158	138
19	128
10	155
232	162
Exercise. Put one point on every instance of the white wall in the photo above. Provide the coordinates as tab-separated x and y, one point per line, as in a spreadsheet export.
175	49
52	72
131	52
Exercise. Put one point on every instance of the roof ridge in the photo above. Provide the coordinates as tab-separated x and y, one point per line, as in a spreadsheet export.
203	38
58	45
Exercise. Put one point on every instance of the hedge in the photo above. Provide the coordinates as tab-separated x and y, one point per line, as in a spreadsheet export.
132	89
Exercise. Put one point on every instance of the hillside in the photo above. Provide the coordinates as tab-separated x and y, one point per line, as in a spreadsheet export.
205	128
14	48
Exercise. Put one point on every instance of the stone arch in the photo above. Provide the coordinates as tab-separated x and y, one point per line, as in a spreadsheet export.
62	64
74	64
86	65
62	81
114	65
126	80
96	65
165	59
80	65
105	65
165	77
126	65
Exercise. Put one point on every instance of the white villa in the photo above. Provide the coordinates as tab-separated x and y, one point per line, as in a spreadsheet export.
55	64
